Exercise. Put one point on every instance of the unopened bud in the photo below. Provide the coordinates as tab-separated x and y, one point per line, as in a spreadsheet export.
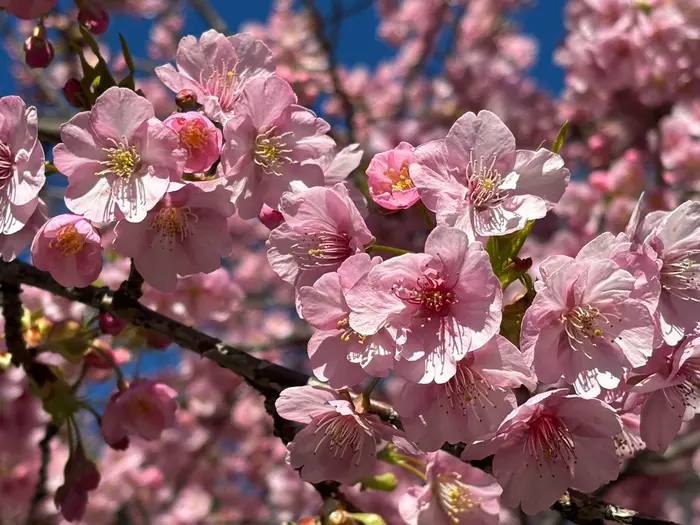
111	325
38	51
186	99
73	92
94	18
270	217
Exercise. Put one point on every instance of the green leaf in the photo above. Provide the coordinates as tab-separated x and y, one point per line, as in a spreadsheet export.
559	140
128	81
101	70
386	482
503	249
367	518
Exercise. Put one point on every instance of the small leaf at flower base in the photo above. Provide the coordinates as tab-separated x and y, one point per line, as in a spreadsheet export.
559	140
503	249
386	482
367	519
128	81
513	318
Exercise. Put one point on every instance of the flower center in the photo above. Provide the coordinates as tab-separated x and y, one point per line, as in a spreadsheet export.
341	433
681	278
6	163
433	294
322	249
401	180
348	333
549	439
224	84
586	322
122	159
69	241
271	152
454	496
193	135
172	223
484	183
467	387
689	389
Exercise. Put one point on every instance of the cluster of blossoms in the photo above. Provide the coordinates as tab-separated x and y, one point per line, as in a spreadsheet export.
500	323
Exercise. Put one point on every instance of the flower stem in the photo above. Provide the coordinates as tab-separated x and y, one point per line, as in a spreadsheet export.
412	469
388	249
425	214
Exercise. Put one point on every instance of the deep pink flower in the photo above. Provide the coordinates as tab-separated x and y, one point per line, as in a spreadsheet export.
338	443
118	158
199	137
186	233
470	405
550	443
27	9
69	248
13	244
217	68
144	409
94	17
454	493
81	472
269	217
448	298
21	164
389	178
676	239
269	143
475	180
670	395
71	502
322	227
584	325
339	355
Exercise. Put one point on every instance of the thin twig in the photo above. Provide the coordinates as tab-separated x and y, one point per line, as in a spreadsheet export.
40	488
210	16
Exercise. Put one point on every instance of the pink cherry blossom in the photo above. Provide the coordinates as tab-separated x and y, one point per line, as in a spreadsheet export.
68	247
339	355
27	9
389	178
338	443
186	233
144	409
119	158
550	443
470	405
13	244
584	325
21	164
322	228
475	180
448	298
269	143
217	68
199	137
454	493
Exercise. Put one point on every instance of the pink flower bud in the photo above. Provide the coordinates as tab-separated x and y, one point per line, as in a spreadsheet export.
71	502
38	51
199	137
111	325
73	92
81	473
270	217
94	18
186	99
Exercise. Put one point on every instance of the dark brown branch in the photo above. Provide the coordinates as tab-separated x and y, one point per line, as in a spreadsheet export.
40	490
581	508
12	313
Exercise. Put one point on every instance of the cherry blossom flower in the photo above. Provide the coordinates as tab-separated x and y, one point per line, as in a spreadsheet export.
144	409
338	355
550	443
471	404
199	137
475	180
454	493
21	164
69	248
322	228
13	244
584	325
217	68
338	443
270	142
448	298
389	179
186	233
119	159
27	9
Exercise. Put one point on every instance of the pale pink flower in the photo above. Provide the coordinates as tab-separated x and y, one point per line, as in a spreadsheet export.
389	178
470	405
119	158
448	298
21	164
584	325
337	166
13	244
454	493
145	409
322	227
339	355
475	180
217	68
550	443
69	248
27	9
186	233
676	239
338	443
269	143
199	137
670	395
